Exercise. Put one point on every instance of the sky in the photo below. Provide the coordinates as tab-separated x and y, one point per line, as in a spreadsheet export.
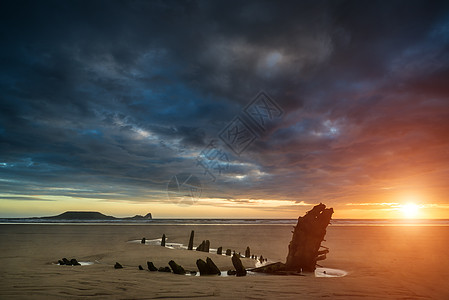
230	109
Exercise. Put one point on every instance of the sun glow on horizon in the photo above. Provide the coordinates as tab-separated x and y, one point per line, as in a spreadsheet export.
410	210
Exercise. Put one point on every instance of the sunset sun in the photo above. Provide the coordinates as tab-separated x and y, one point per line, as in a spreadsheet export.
410	210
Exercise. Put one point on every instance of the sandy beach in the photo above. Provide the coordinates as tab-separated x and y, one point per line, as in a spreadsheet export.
395	262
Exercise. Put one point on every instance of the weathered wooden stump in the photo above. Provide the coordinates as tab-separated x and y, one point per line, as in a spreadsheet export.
164	269
143	241
228	252
303	251
220	250
207	267
177	269
163	240
192	234
213	269
240	269
247	252
151	266
304	248
200	246
202	267
72	262
204	246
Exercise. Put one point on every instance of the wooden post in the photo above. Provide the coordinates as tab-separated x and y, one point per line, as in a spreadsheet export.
213	269
192	234
241	271
177	269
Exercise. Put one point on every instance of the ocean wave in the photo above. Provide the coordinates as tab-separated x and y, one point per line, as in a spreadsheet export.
292	222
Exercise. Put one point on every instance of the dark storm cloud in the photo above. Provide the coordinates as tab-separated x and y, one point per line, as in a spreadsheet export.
126	93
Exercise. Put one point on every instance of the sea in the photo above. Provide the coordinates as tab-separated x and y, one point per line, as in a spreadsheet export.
291	222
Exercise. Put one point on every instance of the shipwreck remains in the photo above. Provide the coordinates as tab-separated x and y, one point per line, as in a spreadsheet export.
303	251
164	269
204	246
192	234
207	267
239	268
151	266
247	252
177	269
304	248
66	262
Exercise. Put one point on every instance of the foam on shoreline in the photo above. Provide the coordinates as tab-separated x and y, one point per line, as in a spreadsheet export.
82	263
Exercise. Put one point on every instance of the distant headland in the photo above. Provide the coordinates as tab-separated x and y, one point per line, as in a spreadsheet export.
93	215
81	217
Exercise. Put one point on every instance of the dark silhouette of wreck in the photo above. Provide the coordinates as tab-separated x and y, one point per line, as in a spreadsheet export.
304	248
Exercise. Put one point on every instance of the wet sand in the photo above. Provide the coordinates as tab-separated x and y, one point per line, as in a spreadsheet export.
396	262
